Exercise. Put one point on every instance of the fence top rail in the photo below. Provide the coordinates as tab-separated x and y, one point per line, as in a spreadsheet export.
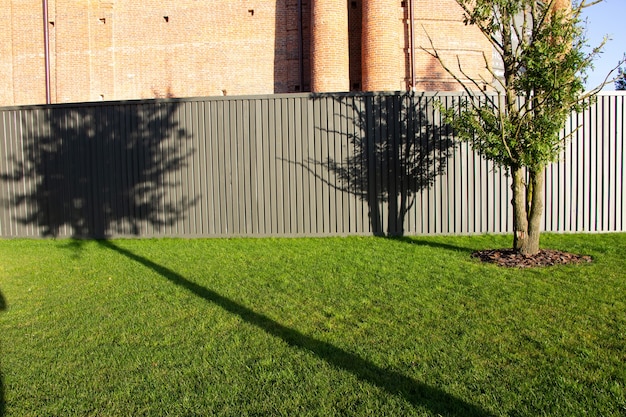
426	94
226	98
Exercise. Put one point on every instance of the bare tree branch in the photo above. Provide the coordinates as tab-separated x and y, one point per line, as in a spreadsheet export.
606	81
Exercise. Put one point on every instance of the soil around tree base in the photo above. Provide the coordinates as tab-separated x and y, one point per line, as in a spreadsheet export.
513	259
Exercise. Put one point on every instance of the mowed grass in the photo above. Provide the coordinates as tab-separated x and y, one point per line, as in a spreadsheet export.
358	326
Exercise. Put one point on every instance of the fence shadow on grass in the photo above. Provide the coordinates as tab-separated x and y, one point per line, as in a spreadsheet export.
419	394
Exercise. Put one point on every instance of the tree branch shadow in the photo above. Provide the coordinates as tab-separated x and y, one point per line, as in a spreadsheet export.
418	394
398	147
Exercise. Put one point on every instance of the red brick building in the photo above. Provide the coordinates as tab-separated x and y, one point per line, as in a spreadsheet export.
91	50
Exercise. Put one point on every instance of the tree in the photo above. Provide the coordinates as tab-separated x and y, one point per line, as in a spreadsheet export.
541	46
620	81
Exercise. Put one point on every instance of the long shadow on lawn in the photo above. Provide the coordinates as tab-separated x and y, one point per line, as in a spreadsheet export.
2	402
432	244
418	394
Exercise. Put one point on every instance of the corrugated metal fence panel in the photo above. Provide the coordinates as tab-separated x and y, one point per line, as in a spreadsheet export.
286	165
585	189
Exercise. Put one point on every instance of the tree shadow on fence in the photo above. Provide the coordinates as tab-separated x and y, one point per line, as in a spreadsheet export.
399	146
437	401
92	171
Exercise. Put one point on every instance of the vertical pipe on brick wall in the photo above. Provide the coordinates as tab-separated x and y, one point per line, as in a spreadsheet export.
330	56
300	47
46	49
412	40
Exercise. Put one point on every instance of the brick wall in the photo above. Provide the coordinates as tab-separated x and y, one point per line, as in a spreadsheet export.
441	22
182	48
6	54
22	62
129	49
125	49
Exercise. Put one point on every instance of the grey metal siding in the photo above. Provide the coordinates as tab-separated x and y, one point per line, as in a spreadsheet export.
286	165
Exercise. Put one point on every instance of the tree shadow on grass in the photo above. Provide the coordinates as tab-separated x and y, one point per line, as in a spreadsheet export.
431	243
419	394
2	407
3	306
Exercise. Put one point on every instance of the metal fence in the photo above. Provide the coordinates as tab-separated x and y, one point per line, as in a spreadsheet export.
285	165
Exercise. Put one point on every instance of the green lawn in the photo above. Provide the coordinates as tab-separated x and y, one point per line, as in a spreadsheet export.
322	327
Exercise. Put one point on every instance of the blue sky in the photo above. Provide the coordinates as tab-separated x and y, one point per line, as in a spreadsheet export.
606	18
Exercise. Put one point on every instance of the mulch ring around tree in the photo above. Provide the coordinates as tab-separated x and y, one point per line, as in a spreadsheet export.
545	257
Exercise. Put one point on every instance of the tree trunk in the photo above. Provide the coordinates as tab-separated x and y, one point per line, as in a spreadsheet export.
520	218
527	210
535	212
